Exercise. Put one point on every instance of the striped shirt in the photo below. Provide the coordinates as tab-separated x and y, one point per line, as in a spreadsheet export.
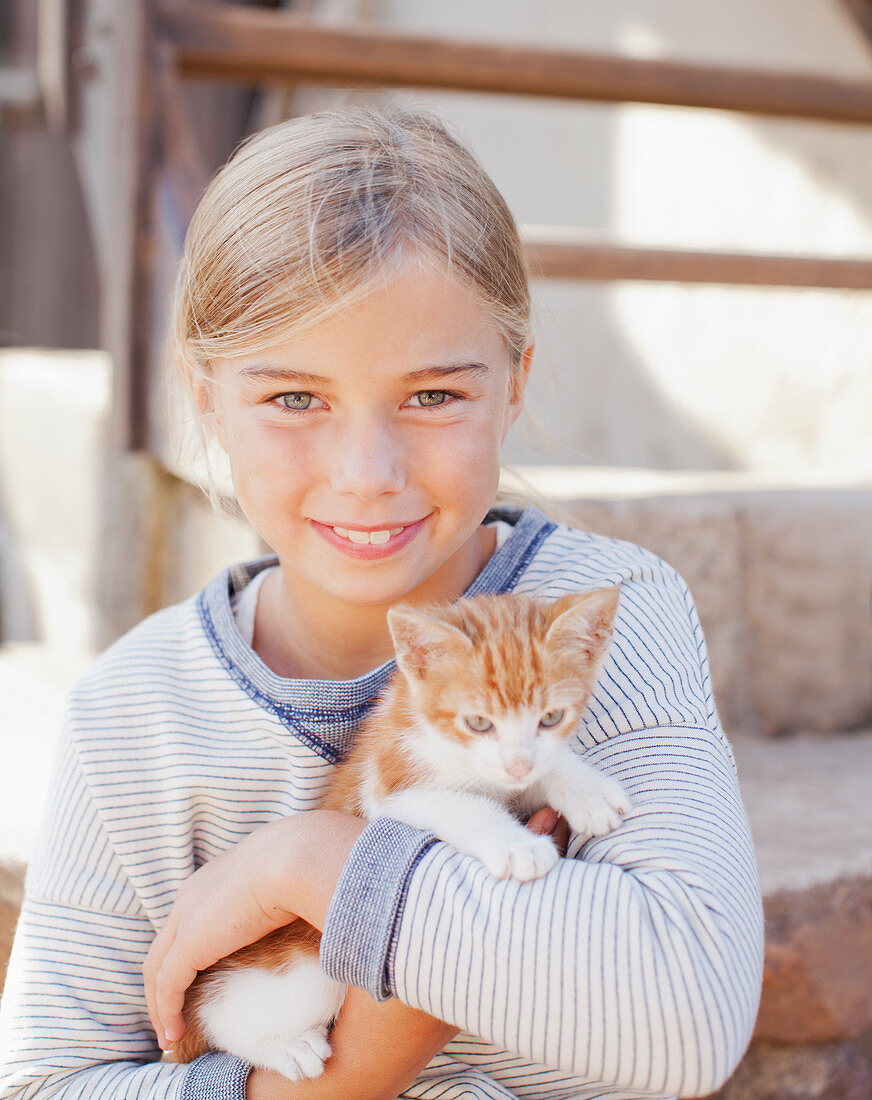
632	969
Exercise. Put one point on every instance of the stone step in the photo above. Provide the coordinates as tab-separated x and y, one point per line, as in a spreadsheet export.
808	801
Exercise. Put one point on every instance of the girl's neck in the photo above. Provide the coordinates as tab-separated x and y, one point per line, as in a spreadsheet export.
303	647
318	639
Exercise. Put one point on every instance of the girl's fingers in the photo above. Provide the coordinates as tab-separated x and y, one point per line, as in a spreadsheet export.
171	985
151	970
543	821
560	833
548	821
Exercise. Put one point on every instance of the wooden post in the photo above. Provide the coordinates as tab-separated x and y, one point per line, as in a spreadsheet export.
116	139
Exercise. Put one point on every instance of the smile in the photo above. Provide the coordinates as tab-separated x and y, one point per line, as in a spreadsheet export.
368	538
372	545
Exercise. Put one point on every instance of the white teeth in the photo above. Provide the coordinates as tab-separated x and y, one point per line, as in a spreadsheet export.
370	538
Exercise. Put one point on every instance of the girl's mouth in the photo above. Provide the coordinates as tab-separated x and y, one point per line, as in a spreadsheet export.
369	545
368	538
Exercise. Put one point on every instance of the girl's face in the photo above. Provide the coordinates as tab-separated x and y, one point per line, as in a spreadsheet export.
367	453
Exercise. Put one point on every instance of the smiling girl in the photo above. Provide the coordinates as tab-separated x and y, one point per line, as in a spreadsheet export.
352	324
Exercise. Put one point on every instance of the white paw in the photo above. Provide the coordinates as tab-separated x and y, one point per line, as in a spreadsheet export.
305	1057
525	858
600	809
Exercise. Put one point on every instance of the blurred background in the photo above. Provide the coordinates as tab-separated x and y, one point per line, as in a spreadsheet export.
694	184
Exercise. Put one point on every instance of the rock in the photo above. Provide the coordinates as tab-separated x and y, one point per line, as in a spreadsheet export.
817	983
828	1071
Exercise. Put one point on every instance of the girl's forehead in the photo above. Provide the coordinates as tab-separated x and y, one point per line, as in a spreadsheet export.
418	308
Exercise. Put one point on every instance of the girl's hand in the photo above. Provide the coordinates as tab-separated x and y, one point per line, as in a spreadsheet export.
549	821
262	883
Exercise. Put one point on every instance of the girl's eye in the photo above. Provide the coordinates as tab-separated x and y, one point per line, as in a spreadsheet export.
428	398
478	723
551	718
299	402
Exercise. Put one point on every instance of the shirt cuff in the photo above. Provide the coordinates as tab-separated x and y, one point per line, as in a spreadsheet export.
357	941
216	1077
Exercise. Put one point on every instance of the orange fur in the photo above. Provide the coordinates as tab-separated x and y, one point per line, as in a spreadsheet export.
487	655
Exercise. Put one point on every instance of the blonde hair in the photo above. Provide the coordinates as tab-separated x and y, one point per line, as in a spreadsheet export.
308	215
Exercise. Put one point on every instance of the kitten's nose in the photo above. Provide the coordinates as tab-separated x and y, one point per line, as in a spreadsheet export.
520	764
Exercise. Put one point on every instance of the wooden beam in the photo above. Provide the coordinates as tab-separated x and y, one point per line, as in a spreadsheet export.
261	46
573	254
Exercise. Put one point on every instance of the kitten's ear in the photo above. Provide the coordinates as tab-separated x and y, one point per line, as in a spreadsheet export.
420	638
585	621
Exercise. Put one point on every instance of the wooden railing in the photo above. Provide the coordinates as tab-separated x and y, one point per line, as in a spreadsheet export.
168	42
256	45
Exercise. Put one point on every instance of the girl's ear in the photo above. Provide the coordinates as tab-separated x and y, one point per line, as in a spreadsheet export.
517	386
202	390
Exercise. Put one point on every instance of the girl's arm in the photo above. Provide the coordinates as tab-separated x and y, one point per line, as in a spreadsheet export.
637	963
378	1051
379	1048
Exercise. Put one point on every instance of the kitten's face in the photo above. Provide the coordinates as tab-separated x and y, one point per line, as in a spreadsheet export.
505	678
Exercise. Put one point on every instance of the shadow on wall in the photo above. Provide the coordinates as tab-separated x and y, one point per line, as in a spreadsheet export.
602	406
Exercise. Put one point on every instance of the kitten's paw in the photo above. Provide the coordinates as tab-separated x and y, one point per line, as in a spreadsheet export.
525	859
600	810
305	1057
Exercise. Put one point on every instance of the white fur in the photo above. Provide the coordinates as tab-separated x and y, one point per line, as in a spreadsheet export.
476	825
276	1019
466	794
593	803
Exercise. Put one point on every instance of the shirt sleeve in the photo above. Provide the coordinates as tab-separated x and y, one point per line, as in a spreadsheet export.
74	1018
637	961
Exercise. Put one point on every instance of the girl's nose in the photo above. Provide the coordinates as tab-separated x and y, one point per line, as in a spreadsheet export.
368	462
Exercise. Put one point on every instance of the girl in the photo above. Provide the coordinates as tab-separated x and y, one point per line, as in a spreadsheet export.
353	324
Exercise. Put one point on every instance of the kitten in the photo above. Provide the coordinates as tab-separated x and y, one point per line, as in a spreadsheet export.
473	730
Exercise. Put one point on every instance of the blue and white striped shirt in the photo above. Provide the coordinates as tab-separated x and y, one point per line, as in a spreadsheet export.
632	969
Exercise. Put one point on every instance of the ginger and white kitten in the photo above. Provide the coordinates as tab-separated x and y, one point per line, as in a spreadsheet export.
472	734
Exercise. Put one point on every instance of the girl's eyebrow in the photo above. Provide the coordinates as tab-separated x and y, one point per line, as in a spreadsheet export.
283	374
474	369
303	378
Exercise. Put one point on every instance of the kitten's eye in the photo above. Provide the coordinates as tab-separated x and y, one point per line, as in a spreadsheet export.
551	718
479	724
